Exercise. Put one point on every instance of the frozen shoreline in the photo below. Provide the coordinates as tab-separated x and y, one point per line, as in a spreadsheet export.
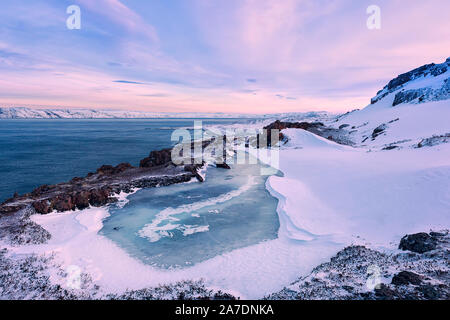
329	204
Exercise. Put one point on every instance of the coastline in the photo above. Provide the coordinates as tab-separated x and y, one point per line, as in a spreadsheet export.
251	272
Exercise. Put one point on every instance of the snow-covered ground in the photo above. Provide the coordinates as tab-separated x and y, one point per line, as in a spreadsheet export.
329	189
330	196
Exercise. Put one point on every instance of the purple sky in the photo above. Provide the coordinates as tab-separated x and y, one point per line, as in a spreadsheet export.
253	56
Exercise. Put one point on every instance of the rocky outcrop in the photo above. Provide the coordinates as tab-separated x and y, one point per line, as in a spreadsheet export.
419	242
337	135
417	95
157	158
406	277
108	169
360	273
98	188
378	130
434	140
223	165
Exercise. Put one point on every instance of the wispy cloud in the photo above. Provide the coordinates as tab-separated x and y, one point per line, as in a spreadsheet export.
129	82
236	55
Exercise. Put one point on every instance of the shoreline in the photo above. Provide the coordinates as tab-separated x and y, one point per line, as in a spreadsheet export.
268	266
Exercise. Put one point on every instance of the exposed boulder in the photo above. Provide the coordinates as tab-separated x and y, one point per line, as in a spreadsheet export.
391	147
42	206
406	278
81	199
434	140
280	125
99	197
108	169
41	189
5	209
157	158
419	242
63	203
378	130
383	292
223	165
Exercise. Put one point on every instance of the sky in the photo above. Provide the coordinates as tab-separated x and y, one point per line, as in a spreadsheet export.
247	56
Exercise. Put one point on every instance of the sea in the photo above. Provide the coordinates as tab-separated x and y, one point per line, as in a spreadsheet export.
168	227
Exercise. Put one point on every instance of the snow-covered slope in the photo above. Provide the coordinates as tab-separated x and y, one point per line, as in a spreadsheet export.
411	108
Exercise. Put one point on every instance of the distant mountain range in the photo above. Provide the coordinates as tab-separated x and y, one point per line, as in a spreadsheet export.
28	113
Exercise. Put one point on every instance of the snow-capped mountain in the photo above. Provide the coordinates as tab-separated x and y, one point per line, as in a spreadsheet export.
430	82
28	113
412	110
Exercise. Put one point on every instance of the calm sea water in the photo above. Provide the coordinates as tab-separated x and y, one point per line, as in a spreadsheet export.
35	152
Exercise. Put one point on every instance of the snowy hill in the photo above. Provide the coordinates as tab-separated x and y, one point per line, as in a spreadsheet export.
412	110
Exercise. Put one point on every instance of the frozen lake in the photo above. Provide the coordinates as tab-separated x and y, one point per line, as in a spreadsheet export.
180	225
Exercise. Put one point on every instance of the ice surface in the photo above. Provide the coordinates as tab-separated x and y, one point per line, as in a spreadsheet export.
231	209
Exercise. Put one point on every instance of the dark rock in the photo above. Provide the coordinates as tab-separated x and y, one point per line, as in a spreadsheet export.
405	278
76	180
435	234
378	130
348	288
105	169
122	167
408	96
432	292
432	69
63	203
110	170
434	140
6	209
99	197
317	128
390	148
342	126
40	190
42	207
81	199
392	121
156	158
422	94
296	125
223	166
419	242
385	293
